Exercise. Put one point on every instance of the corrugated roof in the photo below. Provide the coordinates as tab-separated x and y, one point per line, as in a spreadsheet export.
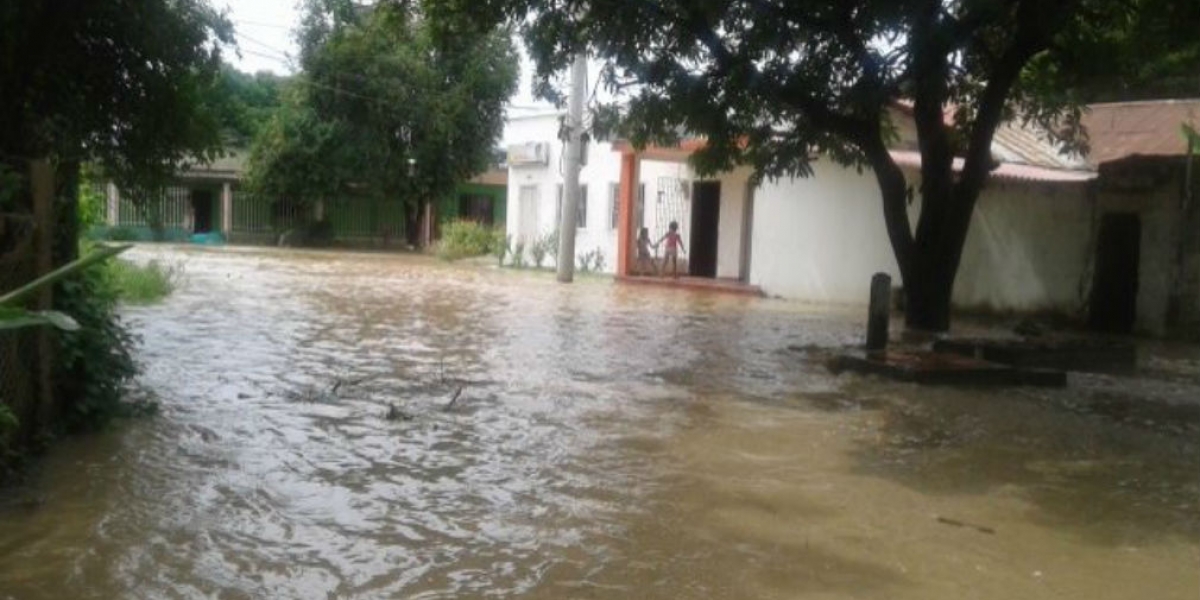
1151	128
1021	145
1006	170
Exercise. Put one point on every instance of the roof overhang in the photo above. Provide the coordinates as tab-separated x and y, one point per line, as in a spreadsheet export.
678	153
1010	171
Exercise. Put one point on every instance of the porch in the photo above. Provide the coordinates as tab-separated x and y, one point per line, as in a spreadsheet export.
713	217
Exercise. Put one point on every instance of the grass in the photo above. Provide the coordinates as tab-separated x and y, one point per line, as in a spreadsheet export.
144	284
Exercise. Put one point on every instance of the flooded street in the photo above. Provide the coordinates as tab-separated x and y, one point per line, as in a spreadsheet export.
607	442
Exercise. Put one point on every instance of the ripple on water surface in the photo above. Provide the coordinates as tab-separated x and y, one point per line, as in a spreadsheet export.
371	426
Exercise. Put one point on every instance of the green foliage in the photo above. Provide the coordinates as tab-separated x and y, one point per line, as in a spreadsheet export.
1119	51
12	183
14	316
8	422
122	234
464	239
543	247
775	85
591	261
124	82
300	156
245	103
94	363
518	255
377	91
501	246
144	284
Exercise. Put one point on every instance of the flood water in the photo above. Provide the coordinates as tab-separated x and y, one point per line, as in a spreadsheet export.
608	442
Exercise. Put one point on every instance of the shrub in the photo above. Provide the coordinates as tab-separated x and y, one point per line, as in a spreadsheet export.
94	363
143	284
537	251
502	247
122	234
319	234
518	255
463	239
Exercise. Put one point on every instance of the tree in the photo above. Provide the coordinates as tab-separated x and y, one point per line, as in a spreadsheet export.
378	93
122	82
245	103
773	83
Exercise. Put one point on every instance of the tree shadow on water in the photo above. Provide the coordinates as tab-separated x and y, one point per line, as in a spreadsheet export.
1109	478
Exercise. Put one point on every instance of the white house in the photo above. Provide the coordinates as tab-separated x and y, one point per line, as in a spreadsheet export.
1032	244
535	159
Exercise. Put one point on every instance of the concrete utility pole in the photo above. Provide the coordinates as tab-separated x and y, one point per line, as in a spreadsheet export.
570	201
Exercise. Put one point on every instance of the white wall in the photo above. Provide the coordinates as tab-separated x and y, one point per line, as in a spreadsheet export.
820	238
603	169
1028	248
730	227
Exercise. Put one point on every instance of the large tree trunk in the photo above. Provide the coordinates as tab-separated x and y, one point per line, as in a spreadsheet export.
928	289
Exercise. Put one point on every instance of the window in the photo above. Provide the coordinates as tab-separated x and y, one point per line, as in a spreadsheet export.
581	211
614	205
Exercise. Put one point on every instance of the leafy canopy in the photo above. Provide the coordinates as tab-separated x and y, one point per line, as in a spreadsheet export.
377	89
776	83
124	82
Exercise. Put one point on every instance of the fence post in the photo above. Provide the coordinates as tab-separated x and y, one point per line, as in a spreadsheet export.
41	178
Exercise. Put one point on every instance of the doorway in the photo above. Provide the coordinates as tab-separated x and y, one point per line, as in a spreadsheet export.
706	215
1113	305
478	208
202	211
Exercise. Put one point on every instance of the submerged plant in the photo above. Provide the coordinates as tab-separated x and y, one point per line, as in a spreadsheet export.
518	255
145	284
502	247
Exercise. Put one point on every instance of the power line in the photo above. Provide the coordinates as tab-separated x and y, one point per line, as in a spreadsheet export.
263	24
261	44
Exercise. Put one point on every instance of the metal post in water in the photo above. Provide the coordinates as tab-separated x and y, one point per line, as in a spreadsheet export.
879	313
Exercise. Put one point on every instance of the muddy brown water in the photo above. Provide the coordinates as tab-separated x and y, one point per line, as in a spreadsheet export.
608	442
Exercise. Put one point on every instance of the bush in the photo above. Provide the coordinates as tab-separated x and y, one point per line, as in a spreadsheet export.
502	247
463	239
518	255
319	234
94	363
122	234
143	284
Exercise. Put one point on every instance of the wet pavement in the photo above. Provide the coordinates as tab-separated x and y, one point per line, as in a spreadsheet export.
607	442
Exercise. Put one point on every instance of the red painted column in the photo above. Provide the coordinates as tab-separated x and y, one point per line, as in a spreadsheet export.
625	217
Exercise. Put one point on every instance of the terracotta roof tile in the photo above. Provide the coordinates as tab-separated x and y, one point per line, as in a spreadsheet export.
1153	128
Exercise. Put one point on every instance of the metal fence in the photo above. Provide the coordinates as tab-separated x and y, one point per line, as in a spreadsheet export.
172	210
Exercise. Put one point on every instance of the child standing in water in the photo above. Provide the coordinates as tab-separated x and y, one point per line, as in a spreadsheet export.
643	256
674	247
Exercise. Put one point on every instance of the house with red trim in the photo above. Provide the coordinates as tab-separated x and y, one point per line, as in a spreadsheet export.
1109	237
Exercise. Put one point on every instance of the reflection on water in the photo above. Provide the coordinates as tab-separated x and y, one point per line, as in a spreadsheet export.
607	442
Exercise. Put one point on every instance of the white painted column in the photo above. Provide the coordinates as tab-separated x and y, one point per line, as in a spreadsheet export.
226	209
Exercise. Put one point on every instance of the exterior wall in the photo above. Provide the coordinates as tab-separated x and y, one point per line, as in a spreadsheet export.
601	175
1162	224
820	238
1028	249
734	191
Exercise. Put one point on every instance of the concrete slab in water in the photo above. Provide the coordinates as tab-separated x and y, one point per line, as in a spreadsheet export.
1071	354
938	368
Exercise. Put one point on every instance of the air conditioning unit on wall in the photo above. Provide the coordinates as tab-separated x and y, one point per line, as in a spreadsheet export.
529	154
